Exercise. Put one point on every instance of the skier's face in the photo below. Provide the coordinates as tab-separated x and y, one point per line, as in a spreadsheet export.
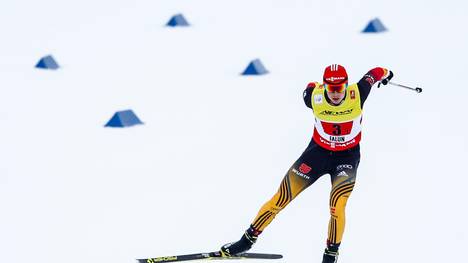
336	97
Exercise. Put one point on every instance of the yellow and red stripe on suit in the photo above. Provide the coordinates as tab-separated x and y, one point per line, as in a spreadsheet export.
337	128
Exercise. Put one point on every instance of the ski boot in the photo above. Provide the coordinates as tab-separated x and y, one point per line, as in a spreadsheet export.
245	243
330	256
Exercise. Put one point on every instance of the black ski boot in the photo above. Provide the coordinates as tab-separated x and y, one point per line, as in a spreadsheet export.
245	243
330	256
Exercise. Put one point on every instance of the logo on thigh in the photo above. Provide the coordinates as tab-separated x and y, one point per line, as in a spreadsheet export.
344	166
343	174
304	169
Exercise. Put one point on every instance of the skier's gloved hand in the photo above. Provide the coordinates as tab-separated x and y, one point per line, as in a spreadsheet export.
387	78
381	75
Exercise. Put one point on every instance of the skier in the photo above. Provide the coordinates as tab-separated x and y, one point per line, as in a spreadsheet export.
333	149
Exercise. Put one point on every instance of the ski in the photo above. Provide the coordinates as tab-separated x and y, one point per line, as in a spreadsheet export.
211	255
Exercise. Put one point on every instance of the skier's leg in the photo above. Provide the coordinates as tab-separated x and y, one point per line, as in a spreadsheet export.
309	167
303	173
291	186
343	180
338	199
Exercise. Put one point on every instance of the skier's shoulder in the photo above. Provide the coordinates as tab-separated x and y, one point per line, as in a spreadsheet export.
307	94
314	85
311	87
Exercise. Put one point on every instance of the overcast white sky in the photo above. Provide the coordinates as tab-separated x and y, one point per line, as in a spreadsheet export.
215	145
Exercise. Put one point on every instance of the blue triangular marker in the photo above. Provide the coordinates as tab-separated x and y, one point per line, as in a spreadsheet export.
47	62
177	20
255	67
123	119
374	26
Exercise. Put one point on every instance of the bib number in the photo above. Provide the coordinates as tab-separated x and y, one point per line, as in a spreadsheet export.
337	129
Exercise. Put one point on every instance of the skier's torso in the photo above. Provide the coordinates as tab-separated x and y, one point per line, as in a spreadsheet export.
337	128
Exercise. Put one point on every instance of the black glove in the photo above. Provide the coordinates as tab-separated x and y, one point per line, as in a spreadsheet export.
387	79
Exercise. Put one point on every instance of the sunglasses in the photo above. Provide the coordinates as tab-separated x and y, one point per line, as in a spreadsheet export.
336	88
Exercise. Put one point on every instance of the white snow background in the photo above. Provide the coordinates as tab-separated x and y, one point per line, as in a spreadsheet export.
215	145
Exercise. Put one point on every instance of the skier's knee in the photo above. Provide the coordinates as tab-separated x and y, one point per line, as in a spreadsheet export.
339	208
336	212
276	209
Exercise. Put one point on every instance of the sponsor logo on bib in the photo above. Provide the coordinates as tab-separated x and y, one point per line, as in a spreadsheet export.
318	99
335	113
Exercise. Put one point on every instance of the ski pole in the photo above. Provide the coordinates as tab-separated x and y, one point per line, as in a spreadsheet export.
417	89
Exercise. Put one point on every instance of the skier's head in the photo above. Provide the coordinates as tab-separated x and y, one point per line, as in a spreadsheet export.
335	81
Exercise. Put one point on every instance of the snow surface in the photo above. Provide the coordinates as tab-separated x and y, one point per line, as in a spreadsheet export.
215	145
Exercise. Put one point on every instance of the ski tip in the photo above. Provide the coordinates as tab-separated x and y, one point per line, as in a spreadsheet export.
261	255
275	256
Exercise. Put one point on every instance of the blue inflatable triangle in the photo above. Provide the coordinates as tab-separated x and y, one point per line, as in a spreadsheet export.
255	67
374	26
123	119
177	20
47	62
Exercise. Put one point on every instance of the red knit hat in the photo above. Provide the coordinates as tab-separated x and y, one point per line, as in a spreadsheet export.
335	75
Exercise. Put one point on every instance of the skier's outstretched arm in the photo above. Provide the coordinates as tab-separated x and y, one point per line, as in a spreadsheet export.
370	78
